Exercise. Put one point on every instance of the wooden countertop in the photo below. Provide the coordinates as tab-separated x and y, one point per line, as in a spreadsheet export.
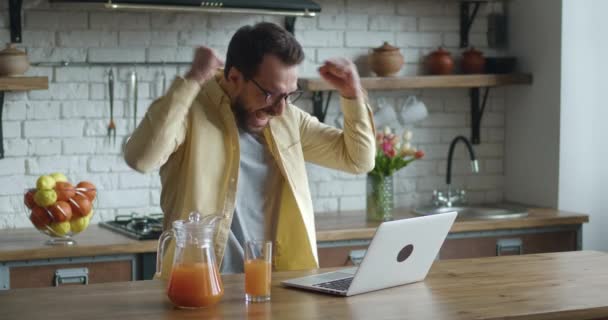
570	285
28	243
352	225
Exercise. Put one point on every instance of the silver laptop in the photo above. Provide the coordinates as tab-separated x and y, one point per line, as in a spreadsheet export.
401	252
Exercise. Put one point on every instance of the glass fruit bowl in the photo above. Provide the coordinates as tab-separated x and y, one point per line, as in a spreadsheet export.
60	209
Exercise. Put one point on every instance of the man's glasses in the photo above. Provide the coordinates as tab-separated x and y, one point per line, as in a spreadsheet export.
288	97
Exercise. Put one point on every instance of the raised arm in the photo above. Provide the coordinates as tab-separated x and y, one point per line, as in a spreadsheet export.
352	149
163	128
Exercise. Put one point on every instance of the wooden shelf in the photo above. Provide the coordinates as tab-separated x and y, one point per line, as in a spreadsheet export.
420	82
23	83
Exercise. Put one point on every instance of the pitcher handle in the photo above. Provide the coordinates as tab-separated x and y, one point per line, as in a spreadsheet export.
160	251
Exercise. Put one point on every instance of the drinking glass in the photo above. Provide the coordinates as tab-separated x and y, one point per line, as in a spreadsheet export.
258	270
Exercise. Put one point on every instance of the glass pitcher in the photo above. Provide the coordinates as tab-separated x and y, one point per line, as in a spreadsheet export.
195	280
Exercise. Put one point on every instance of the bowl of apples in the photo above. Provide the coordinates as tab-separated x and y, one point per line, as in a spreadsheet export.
60	209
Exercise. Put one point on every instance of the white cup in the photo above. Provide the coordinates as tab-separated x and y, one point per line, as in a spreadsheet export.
385	115
413	110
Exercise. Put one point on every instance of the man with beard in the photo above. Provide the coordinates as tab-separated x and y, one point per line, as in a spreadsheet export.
230	142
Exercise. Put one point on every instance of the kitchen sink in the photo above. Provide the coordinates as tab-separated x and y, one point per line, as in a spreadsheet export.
494	211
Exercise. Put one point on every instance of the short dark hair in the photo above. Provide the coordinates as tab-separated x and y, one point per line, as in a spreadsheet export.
250	43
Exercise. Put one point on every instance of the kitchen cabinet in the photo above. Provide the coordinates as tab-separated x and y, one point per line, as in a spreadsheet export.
338	256
68	271
538	241
476	244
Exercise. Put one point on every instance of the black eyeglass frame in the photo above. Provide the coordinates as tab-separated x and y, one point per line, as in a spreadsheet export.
288	97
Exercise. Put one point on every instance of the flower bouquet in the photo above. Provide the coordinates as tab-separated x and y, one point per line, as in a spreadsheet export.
392	155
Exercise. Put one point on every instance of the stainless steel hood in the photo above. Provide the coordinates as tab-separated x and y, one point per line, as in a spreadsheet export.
298	8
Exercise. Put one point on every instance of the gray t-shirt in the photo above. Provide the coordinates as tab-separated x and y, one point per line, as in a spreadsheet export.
254	201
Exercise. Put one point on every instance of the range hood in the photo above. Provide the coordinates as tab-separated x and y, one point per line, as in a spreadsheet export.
298	8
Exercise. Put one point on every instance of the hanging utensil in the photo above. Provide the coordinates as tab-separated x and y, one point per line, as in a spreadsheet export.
161	85
111	125
163	77
134	97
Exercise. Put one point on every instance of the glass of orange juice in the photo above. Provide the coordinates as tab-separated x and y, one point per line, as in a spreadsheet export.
258	270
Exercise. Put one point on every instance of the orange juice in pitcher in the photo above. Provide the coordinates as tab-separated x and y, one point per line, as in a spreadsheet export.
195	285
194	281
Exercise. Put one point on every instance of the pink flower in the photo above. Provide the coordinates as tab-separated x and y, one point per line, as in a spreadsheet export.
419	154
388	149
389	152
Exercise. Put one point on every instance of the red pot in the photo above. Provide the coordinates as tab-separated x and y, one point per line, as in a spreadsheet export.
440	62
473	61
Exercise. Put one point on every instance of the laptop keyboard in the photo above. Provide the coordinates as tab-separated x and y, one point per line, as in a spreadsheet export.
339	285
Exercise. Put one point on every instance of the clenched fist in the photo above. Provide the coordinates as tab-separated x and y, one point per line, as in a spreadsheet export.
342	74
204	65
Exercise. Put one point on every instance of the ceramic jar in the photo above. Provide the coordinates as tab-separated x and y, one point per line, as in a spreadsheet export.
439	62
473	61
386	60
13	62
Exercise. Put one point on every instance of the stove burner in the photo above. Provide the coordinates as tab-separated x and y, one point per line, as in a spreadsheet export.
137	226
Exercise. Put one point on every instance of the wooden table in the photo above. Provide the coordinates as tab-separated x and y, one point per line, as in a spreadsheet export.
571	285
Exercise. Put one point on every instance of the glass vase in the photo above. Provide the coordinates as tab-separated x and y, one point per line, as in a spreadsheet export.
379	198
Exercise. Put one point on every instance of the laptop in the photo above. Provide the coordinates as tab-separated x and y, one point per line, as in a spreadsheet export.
400	252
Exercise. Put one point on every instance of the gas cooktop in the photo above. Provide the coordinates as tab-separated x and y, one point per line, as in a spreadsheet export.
136	226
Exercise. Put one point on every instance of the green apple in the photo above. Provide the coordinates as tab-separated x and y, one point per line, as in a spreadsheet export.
45	198
45	183
59	177
60	228
78	225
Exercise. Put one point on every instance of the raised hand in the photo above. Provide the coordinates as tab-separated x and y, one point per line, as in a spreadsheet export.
343	75
204	65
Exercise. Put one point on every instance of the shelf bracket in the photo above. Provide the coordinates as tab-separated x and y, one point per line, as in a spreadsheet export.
466	20
14	8
317	104
477	110
1	136
290	24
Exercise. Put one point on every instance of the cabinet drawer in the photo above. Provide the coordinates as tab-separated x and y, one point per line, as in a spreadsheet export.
44	275
337	256
487	246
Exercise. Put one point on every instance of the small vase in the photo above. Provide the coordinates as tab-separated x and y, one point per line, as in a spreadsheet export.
379	198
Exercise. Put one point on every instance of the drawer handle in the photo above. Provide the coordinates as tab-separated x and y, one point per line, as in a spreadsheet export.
356	256
509	245
74	275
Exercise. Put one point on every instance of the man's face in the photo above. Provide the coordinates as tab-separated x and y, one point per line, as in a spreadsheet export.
263	96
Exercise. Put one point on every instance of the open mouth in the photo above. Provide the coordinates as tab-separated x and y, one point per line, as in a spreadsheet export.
261	117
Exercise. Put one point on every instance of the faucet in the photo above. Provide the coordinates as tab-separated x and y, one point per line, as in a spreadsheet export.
459	195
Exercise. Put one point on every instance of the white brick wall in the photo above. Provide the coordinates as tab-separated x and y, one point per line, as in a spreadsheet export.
64	128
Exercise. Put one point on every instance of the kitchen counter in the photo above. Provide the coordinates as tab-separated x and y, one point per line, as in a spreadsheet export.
568	285
28	243
352	225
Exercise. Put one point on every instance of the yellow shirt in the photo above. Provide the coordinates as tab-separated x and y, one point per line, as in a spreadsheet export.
192	135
